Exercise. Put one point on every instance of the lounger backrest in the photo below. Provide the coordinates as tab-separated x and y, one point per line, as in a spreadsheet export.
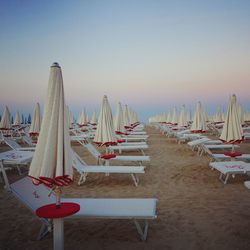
31	195
91	148
28	140
78	162
1	136
11	143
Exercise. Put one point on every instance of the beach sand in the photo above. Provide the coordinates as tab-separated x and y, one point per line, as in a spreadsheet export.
195	210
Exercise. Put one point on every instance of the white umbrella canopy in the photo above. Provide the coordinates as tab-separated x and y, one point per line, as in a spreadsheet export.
183	122
36	121
105	132
218	116
71	118
232	130
52	163
247	116
174	120
169	117
241	114
17	120
126	120
93	120
118	122
82	121
199	123
5	121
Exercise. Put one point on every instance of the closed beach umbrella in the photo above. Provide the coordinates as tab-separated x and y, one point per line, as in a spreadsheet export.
218	116
36	121
71	119
93	120
5	121
105	133
174	120
17	121
126	120
52	162
199	123
169	117
232	130
84	118
183	117
118	123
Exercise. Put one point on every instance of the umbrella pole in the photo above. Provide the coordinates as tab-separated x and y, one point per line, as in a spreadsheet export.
58	192
233	148
58	231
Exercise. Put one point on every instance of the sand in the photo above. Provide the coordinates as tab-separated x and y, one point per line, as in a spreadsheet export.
195	210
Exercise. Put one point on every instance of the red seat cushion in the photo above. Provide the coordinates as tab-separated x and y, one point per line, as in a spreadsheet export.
233	154
107	157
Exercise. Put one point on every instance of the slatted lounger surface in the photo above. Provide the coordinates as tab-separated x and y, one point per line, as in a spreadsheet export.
15	158
222	157
84	169
135	209
14	145
135	158
127	148
227	168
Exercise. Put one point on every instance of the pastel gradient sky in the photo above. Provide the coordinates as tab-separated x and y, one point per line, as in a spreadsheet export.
149	54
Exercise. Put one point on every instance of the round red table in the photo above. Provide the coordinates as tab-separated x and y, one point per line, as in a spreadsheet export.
51	211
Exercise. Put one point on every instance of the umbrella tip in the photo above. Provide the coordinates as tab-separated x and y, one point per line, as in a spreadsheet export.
55	64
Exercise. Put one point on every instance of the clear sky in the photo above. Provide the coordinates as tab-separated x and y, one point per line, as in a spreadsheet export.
149	54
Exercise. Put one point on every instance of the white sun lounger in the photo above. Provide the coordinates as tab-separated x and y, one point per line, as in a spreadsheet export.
222	157
138	133
14	158
227	168
129	138
121	148
134	158
84	169
15	146
135	209
206	148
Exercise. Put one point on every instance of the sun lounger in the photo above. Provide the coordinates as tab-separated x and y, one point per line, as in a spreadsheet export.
15	146
227	168
121	148
135	209
13	158
138	133
223	157
27	139
206	148
107	158
84	169
133	138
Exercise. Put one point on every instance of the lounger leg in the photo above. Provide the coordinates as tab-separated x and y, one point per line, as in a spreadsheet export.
135	179
45	229
82	178
142	152
6	181
226	178
18	169
143	232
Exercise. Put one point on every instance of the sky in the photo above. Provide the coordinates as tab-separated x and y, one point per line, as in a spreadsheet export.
150	54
